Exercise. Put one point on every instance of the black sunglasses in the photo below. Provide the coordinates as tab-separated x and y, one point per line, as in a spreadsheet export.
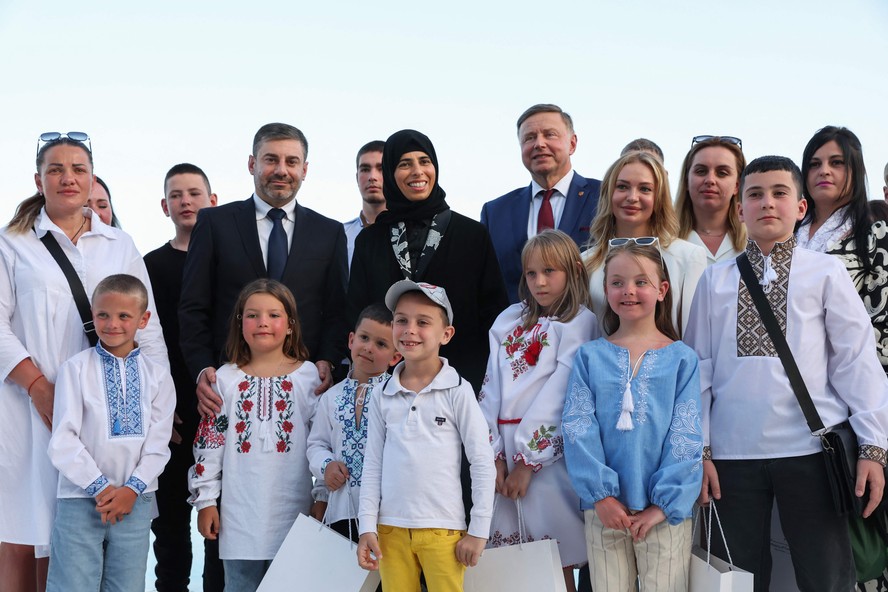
728	139
47	137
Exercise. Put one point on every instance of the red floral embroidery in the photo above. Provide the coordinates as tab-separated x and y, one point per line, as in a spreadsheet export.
244	385
280	405
245	447
284	407
281	446
532	353
211	432
523	348
244	405
287	426
248	405
240	427
199	469
287	386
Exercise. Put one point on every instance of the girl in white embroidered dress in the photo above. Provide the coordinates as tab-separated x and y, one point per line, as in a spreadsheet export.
258	441
532	345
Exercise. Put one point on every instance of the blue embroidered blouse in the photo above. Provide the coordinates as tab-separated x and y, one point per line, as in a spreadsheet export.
656	462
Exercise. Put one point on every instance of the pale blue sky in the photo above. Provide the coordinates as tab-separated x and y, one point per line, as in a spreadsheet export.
164	82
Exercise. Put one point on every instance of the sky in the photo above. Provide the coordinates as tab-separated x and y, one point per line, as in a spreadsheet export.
163	82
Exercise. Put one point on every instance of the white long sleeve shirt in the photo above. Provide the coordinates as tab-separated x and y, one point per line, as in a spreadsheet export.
749	408
112	421
411	473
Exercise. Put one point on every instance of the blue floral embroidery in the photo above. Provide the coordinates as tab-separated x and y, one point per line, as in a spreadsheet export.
354	436
96	486
686	435
122	395
578	406
136	485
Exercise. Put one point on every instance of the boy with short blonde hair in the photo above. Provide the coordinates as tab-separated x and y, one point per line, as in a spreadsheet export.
758	446
112	419
411	512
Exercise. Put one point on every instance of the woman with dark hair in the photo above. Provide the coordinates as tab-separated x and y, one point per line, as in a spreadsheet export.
420	238
99	201
708	195
40	327
839	221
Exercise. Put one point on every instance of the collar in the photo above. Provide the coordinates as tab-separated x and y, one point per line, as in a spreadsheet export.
446	378
262	208
103	353
562	186
44	224
373	381
780	252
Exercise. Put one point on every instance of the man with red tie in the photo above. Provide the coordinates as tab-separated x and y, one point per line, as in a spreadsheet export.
557	196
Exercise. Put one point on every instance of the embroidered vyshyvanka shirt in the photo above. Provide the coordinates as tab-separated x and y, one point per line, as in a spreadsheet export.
749	408
658	461
38	319
112	421
253	454
337	435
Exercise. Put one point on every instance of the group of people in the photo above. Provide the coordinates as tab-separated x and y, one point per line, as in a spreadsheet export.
585	364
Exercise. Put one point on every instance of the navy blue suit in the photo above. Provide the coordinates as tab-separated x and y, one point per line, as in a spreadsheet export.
224	256
507	216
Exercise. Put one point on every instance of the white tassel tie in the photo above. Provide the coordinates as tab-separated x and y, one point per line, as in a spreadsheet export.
768	275
624	423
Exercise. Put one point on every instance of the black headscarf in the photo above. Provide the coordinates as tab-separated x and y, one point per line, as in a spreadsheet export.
398	207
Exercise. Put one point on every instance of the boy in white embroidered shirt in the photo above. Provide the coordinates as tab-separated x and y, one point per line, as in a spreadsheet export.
412	517
757	444
112	420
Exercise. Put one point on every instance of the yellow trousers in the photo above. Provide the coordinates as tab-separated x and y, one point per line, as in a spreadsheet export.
408	551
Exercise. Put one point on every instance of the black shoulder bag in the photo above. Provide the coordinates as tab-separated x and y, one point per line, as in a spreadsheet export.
77	290
839	442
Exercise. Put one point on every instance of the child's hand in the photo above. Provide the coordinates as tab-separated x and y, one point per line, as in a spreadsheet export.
318	509
208	522
114	503
367	544
644	521
711	489
518	481
335	475
501	471
613	514
469	549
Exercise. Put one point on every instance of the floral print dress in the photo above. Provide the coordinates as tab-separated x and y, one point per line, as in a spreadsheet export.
253	454
522	399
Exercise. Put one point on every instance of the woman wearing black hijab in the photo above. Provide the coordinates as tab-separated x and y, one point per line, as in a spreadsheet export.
420	238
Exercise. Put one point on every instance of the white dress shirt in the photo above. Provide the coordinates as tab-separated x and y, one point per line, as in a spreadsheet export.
264	224
557	201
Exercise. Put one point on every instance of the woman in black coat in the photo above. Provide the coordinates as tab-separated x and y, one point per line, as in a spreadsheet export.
420	238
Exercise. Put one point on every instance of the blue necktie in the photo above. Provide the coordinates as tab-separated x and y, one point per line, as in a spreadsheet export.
277	244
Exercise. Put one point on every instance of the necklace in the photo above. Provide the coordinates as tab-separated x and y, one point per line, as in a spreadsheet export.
74	236
711	233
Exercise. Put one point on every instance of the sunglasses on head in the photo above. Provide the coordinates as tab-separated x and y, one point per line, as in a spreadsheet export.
47	137
728	139
642	241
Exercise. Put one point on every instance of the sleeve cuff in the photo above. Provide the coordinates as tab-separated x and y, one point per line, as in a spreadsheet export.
136	485
97	486
324	465
872	452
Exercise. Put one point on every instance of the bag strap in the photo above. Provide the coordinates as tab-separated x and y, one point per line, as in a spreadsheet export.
815	424
80	298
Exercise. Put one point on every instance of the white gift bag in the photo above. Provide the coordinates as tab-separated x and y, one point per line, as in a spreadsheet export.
525	567
708	573
315	557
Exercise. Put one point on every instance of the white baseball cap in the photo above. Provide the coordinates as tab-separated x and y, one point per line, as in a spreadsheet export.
435	293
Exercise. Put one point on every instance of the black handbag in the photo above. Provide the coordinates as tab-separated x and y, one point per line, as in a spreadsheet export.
839	442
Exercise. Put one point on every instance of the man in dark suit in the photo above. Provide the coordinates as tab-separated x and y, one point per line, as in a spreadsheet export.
266	235
557	196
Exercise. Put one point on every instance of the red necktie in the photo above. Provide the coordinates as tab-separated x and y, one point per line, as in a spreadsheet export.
546	219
